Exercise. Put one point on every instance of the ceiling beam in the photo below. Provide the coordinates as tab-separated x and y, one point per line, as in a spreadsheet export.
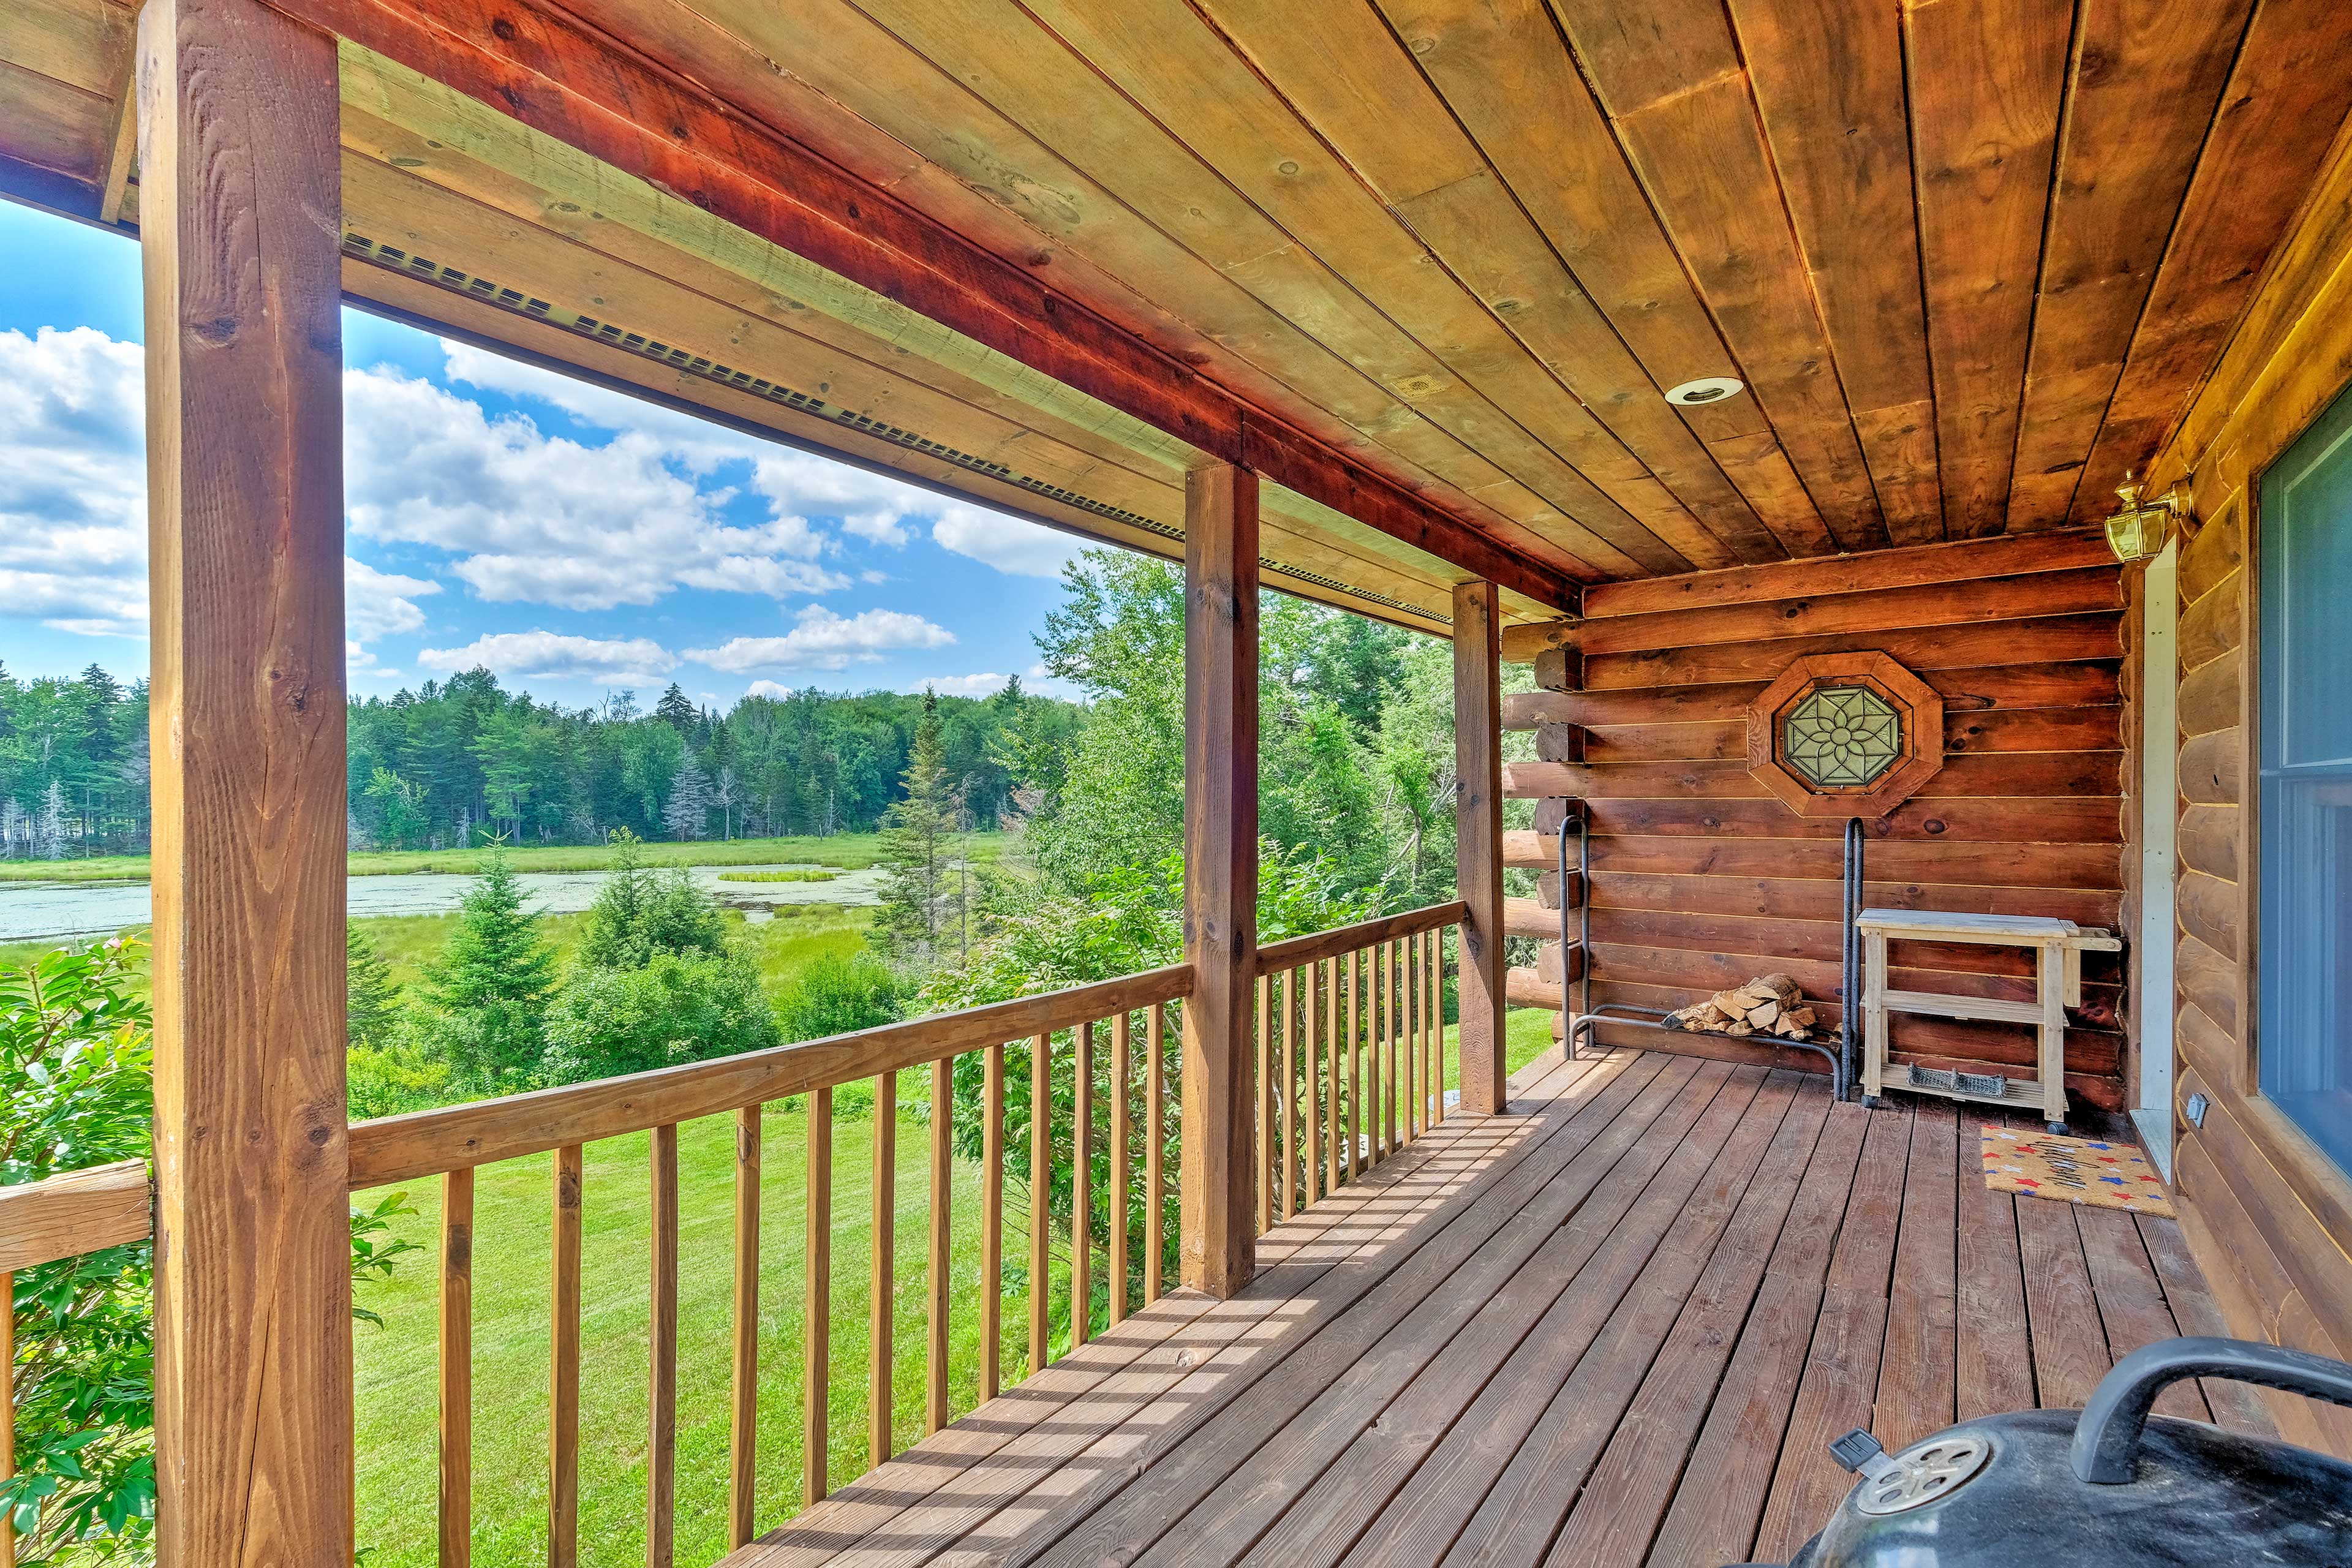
551	72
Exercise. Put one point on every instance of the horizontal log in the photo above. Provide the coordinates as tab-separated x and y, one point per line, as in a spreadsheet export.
2218	549
1521	988
1887	863
1705	973
457	1137
2089	1053
2207	840
2081	590
1821	899
2212	696
2054	639
2088	825
1767	939
2214	623
2211	768
1726	739
1995	688
78	1213
1548	963
1966	562
2205	1046
1529	917
2019	775
2208	978
2211	910
1315	946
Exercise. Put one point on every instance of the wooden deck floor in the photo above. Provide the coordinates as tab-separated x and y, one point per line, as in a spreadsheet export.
1614	1327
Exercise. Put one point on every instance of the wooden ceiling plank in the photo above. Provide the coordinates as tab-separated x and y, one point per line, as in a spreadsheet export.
580	87
1964	562
1198	90
2286	103
81	43
54	126
1506	73
1828	79
2146	78
1277	307
1987	78
551	206
1671	81
1358	87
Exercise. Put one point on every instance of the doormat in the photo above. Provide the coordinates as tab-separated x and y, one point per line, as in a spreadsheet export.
2073	1170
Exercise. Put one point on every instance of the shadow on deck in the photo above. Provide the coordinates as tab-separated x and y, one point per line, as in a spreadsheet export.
1616	1326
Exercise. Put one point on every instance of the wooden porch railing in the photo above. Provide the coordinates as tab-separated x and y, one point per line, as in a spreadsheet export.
1350	1068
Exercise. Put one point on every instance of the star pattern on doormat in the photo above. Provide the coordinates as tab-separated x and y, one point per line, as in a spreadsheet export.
2073	1170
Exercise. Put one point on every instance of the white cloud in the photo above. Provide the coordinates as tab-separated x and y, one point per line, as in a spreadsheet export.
768	689
380	603
1007	544
823	640
553	656
73	491
962	685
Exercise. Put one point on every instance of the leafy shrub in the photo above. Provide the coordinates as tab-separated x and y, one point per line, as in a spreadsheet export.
836	993
77	1090
678	1007
640	912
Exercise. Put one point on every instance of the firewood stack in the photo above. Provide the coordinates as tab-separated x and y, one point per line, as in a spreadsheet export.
1769	1005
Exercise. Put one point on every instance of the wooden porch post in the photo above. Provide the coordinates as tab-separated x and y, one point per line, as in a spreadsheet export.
1478	839
1219	1242
241	217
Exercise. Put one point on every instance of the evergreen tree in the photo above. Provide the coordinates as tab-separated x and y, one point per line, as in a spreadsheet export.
372	1014
50	836
639	913
917	848
676	712
687	814
489	990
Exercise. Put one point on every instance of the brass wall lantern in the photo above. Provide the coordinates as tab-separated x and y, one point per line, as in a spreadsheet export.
2139	528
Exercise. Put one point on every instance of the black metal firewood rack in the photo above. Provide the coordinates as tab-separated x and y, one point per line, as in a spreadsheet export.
1844	1057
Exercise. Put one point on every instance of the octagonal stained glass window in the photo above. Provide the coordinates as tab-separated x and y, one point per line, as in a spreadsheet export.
1842	737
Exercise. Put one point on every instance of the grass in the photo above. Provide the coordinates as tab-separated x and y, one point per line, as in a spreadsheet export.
813	874
848	851
396	1365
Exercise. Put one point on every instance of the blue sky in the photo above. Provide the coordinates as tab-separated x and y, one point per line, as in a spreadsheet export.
574	541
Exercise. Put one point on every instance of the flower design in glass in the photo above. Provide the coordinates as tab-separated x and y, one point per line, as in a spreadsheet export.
1842	737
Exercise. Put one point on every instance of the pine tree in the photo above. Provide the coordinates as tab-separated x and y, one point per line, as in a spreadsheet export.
687	814
489	989
372	1011
917	845
676	711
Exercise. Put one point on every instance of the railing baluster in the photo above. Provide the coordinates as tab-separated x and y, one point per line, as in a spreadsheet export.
1041	1188
457	1497
1122	1133
1375	1070
816	1306
1311	1152
1286	1099
1265	1103
564	1369
1361	1080
1332	1084
1155	1123
992	1221
661	1402
1082	1126
1436	941
743	1392
935	1403
1409	966
7	1410
881	1284
1390	1089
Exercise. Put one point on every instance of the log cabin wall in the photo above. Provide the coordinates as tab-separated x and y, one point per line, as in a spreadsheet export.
2267	1214
1702	878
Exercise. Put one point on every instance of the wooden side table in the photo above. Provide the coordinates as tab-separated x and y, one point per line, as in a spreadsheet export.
2058	947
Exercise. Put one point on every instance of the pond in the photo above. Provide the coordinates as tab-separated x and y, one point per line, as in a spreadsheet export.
35	911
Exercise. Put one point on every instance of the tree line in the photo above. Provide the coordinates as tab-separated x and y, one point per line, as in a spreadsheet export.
460	761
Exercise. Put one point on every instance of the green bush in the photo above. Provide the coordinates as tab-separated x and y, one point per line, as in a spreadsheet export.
836	993
678	1007
77	1090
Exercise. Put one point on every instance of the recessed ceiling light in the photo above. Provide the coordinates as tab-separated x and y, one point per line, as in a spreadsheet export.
1706	389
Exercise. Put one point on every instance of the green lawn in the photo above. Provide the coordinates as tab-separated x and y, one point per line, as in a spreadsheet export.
848	851
397	1362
